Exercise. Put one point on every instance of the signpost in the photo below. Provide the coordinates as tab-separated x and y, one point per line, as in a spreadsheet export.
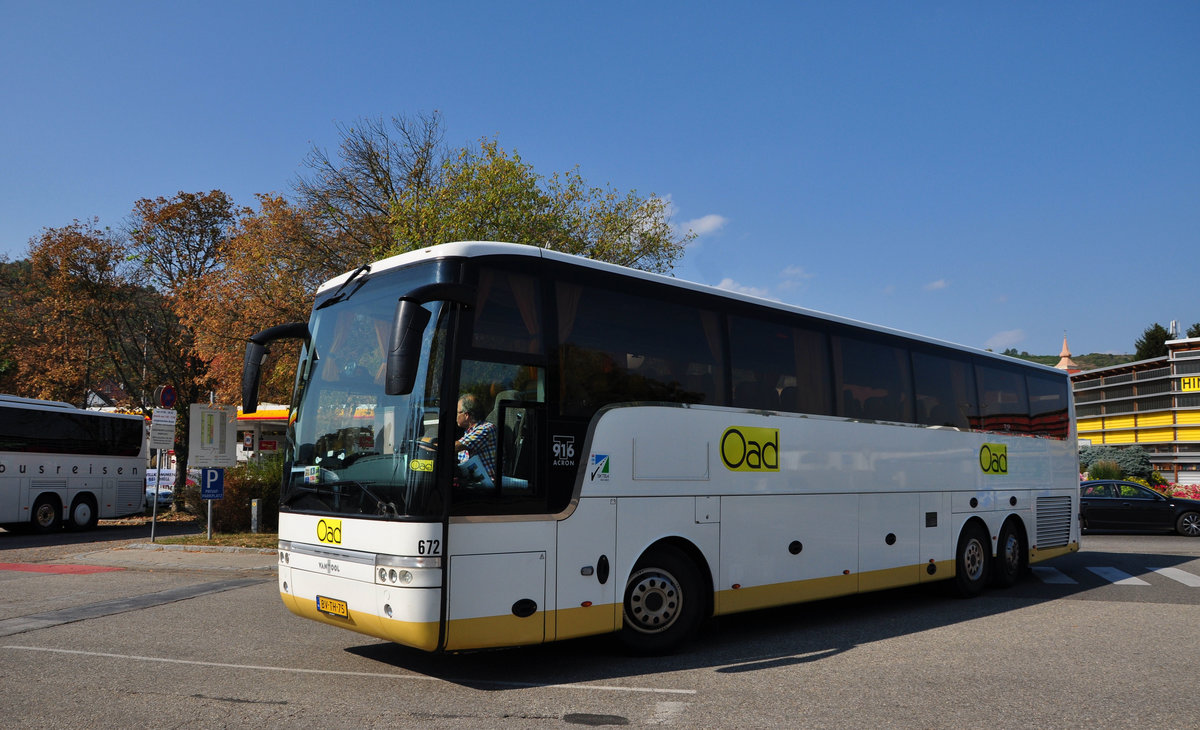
162	438
212	446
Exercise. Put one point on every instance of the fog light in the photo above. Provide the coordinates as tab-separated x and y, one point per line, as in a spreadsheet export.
285	588
406	577
387	610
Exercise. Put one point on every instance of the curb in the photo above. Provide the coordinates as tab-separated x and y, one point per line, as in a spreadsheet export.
199	548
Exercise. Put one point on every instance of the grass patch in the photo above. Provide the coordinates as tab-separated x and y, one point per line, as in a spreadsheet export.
234	539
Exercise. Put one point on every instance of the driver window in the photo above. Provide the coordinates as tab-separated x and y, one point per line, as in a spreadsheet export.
498	414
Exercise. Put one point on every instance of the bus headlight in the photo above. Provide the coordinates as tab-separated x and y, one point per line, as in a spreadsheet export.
415	572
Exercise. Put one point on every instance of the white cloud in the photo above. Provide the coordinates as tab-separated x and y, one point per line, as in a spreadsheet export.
1003	340
730	285
705	225
793	276
937	285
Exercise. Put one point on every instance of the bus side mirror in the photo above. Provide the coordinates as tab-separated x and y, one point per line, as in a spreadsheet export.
404	347
256	353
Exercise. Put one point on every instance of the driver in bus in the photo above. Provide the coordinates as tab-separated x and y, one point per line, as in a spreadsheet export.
479	439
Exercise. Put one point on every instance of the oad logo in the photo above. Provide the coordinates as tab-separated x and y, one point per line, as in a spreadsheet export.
750	449
330	531
993	459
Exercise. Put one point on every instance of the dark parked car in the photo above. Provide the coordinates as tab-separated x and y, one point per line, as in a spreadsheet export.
1110	504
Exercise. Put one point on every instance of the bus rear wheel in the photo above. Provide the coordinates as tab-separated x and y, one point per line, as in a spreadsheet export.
47	514
84	514
663	602
972	561
1010	557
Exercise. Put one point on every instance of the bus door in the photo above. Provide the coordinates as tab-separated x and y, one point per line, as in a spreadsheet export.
587	599
500	538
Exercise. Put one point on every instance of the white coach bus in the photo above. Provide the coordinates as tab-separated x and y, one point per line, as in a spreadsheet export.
664	452
62	465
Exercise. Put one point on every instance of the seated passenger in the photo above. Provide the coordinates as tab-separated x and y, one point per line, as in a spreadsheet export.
479	438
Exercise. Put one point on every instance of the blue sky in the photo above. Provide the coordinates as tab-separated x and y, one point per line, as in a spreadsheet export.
988	174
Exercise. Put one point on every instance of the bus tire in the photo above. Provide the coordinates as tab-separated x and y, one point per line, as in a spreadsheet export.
663	603
84	513
1011	556
47	513
972	561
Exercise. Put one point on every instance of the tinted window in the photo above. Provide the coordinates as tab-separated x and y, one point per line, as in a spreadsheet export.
945	389
1048	405
1003	402
872	379
69	432
507	312
618	347
775	366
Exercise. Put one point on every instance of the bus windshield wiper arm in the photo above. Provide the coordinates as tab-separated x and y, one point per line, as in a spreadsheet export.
338	296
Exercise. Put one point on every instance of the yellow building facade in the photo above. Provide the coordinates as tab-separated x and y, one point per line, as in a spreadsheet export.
1152	403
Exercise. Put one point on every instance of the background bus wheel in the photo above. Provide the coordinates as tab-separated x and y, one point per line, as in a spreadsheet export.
84	513
1010	557
47	514
663	602
972	561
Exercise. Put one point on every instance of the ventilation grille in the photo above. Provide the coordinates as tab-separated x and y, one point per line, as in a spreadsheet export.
1054	517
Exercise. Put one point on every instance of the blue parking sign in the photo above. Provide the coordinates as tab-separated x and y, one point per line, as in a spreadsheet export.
212	484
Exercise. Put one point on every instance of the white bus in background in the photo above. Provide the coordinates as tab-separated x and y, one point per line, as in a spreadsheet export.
666	452
62	465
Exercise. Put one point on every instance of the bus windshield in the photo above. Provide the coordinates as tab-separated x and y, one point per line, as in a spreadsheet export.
353	449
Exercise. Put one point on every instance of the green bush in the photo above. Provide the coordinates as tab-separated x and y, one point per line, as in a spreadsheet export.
1104	469
244	482
1133	460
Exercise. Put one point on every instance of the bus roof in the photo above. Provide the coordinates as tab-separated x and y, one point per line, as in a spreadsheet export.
57	405
475	249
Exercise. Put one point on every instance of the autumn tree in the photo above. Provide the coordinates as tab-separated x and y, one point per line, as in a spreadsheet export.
395	187
175	244
1152	343
486	193
351	194
272	263
56	347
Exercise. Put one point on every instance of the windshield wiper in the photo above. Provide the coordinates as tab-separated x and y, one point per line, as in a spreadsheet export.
338	296
296	491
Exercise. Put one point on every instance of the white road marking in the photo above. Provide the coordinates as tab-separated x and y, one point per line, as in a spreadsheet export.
1118	577
1176	574
379	675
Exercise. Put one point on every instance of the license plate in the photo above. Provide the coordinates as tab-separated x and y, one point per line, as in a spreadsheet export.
333	607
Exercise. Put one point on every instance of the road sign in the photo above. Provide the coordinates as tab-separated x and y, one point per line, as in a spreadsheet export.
212	439
164	395
162	429
212	484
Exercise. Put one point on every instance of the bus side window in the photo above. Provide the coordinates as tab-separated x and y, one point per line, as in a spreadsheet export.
873	379
945	390
1004	404
776	366
618	347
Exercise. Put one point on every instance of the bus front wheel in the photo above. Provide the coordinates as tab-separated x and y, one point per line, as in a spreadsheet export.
47	514
972	561
663	602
